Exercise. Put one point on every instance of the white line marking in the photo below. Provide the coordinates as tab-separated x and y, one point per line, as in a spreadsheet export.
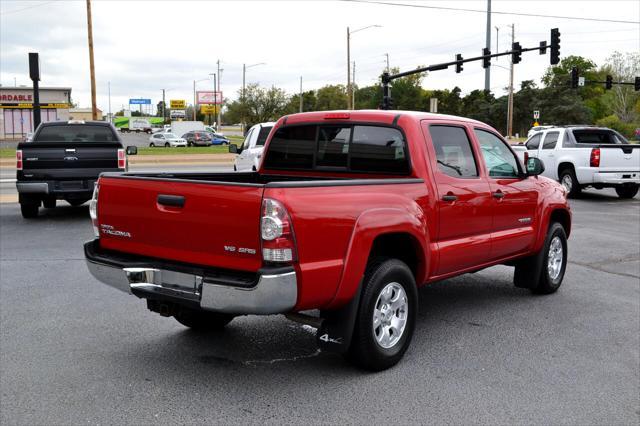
7	180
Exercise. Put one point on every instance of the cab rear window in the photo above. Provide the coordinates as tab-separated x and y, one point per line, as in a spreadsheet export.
75	133
349	148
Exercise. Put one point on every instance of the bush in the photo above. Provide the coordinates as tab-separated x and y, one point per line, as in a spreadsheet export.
613	122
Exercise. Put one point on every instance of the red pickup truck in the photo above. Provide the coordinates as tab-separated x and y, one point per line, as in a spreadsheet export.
349	213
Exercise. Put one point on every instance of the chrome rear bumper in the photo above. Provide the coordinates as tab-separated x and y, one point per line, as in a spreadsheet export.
272	294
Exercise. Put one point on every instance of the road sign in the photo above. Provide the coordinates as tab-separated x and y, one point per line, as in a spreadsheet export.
177	103
536	114
580	81
209	109
209	98
536	124
139	101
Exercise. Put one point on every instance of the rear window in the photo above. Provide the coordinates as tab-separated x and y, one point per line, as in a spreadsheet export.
595	136
262	136
76	133
354	148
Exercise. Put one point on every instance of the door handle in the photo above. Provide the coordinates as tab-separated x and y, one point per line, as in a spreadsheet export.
171	200
449	198
498	194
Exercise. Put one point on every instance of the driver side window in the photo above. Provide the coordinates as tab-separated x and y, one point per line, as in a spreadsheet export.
500	161
245	145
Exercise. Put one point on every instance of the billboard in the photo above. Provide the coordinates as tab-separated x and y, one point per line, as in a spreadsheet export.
209	109
178	113
139	101
177	103
209	98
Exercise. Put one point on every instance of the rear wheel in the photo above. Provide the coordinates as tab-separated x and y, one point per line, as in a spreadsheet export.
570	182
626	192
203	320
189	144
386	316
167	144
29	210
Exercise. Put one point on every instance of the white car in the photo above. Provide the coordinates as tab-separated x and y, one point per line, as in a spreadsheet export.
586	156
536	129
167	140
250	153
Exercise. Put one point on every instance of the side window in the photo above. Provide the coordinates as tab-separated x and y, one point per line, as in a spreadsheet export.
160	136
247	139
534	142
453	151
498	158
292	148
262	136
550	140
378	150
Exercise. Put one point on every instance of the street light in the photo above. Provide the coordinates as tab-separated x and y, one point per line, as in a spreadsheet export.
244	72
194	96
349	88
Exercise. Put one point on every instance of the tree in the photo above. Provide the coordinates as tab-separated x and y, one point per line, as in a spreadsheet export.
331	97
622	99
259	105
308	102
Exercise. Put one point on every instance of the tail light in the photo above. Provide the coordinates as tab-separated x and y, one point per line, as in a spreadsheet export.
93	210
594	161
278	242
19	159
122	160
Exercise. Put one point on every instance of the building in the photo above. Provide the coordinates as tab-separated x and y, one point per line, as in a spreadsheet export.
83	114
16	108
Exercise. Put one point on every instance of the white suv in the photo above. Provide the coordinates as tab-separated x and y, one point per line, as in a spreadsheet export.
250	153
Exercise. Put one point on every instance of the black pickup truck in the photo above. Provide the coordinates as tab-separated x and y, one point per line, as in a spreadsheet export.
63	160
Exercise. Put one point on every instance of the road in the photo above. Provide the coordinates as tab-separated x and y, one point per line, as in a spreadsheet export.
75	351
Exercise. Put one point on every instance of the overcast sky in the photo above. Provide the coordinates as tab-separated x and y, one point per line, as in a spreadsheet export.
142	47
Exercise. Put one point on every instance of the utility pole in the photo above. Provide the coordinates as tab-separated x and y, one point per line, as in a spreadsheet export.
387	55
497	34
94	108
219	107
164	108
300	93
487	70
353	82
109	92
215	98
244	72
194	100
348	69
510	106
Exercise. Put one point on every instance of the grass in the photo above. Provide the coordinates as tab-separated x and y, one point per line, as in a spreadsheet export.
7	153
215	149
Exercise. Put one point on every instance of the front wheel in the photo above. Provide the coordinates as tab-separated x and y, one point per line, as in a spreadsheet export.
386	316
627	192
203	320
167	144
152	144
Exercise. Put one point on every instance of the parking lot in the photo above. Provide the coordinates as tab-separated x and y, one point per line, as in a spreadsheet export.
75	351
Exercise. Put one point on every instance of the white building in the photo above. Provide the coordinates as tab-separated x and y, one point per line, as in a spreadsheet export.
16	108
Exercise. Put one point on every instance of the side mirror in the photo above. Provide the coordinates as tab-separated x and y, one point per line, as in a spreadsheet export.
535	166
233	149
132	150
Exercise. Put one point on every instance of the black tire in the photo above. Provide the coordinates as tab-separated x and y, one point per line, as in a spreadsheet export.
167	145
533	272
627	192
29	210
189	144
365	351
570	182
235	169
203	320
49	203
152	144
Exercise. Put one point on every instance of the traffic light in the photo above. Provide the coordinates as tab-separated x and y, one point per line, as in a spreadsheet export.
486	61
574	77
555	46
516	54
636	85
609	83
459	63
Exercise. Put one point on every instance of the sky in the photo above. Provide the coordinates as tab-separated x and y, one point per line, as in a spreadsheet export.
142	47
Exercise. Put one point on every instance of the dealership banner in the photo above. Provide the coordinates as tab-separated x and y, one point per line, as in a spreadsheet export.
177	103
209	98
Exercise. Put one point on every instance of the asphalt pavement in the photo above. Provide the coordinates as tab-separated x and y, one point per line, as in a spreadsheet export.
73	350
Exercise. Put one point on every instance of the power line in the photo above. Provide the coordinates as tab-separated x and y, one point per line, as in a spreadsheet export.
534	15
25	8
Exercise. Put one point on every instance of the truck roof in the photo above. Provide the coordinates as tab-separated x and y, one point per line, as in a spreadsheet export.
371	115
80	122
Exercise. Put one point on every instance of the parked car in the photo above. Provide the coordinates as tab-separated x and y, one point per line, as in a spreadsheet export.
167	140
63	161
349	213
586	156
28	137
250	153
198	138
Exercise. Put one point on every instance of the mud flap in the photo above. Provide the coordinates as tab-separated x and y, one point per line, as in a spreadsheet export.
529	271
334	335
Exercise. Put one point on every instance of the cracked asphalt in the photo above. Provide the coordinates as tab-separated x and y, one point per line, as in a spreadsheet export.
75	351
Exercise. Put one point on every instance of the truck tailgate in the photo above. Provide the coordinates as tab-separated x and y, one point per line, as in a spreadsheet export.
59	161
620	158
217	225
